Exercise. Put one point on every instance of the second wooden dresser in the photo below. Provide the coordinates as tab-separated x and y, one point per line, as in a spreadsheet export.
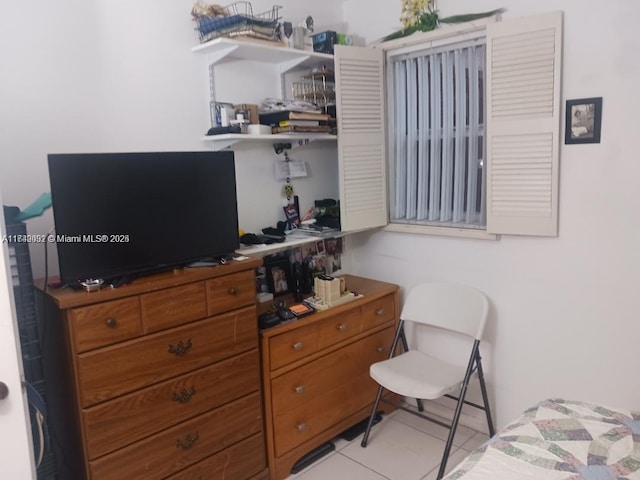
316	371
164	376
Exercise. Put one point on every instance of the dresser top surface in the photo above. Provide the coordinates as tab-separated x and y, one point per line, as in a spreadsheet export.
369	289
69	298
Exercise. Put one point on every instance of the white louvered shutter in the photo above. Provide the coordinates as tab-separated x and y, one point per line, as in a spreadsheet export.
523	125
361	137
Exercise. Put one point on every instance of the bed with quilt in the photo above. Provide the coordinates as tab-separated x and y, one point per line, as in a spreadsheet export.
559	440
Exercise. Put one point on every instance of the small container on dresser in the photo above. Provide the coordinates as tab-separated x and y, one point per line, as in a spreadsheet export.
160	378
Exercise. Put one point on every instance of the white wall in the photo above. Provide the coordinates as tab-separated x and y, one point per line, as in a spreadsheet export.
118	75
564	320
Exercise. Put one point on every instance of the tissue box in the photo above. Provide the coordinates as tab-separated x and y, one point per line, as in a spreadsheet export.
329	291
323	42
332	291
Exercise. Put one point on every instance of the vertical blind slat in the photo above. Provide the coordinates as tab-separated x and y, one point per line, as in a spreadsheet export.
423	142
412	139
401	140
472	158
447	137
459	186
482	138
436	129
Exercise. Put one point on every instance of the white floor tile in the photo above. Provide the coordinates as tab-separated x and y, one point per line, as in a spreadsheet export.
463	434
454	459
397	451
476	441
401	447
338	467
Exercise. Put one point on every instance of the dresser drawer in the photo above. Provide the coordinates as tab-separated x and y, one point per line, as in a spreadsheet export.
122	421
242	460
331	386
178	447
231	292
173	306
293	345
378	311
105	323
116	370
340	327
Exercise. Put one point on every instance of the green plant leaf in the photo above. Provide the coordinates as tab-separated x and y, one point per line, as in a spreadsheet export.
469	17
428	21
401	33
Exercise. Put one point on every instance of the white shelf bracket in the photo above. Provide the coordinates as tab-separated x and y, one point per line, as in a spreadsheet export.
220	54
222	144
286	66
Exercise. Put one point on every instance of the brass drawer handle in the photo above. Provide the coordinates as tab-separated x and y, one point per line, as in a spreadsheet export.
342	327
181	348
297	346
233	291
302	427
380	312
299	389
111	322
188	441
184	396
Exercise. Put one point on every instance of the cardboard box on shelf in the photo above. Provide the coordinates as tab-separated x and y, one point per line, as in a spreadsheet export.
250	112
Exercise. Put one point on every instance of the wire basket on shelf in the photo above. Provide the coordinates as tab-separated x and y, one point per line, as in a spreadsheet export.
316	88
237	20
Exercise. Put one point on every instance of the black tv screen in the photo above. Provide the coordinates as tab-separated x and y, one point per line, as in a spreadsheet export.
122	214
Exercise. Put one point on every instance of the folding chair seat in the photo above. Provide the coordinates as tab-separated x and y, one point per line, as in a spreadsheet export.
415	373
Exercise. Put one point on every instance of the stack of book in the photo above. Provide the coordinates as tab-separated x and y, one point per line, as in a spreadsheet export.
287	121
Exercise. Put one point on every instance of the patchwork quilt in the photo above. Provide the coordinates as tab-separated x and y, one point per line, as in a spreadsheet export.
560	440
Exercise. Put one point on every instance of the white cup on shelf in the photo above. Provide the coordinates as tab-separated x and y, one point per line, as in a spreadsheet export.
256	129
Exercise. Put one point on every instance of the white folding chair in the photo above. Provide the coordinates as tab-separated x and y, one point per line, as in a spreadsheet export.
418	374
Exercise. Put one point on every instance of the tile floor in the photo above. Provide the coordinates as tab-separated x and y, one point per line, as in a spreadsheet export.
401	447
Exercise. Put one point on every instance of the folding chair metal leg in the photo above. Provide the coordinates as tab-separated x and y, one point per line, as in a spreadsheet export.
372	417
458	411
485	397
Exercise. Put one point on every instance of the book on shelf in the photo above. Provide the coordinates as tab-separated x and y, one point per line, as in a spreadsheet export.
299	123
297	128
274	118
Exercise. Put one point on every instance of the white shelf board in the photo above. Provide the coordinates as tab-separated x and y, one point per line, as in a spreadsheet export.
290	242
225	140
221	49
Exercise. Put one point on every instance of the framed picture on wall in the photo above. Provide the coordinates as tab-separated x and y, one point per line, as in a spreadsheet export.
583	120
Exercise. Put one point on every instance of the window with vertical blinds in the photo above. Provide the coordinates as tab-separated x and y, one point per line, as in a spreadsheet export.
462	136
437	135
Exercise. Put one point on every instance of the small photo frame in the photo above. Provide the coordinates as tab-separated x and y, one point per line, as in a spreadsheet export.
583	120
278	275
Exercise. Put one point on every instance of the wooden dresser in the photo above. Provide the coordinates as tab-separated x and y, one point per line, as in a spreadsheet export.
316	371
159	378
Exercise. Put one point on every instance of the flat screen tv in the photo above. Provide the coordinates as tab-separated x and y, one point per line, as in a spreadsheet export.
118	215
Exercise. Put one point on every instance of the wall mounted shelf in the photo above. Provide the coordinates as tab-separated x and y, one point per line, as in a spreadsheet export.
292	241
220	142
225	49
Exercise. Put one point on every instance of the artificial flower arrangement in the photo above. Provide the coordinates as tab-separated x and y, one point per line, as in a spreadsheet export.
422	16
